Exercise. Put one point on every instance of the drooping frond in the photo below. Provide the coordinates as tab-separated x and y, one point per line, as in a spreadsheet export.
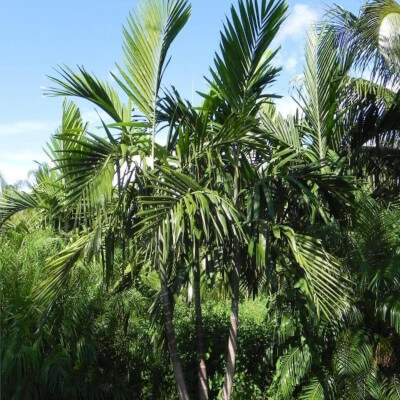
364	88
373	36
389	310
312	391
15	201
59	267
393	388
353	355
87	163
184	201
44	197
325	284
87	86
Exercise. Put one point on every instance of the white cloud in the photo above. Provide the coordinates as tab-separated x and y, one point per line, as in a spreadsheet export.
48	127
27	127
21	147
286	106
16	166
290	63
296	25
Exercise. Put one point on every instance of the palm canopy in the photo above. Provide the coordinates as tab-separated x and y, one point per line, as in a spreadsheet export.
228	121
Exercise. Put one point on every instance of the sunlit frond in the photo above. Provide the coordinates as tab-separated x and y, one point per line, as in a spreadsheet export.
243	67
147	39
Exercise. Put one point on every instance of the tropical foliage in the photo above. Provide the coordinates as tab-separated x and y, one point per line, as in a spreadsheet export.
128	264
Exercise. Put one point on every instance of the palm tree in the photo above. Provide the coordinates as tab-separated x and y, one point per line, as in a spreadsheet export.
372	36
370	42
261	26
242	149
90	163
304	187
358	348
340	117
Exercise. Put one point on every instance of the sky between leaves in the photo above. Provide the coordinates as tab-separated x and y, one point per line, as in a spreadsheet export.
36	36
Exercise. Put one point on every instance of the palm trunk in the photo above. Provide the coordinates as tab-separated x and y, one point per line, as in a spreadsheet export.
162	250
172	347
378	153
201	366
233	329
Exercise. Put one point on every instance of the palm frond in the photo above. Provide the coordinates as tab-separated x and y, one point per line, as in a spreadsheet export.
393	389
15	201
292	368
243	68
182	200
312	391
324	79
353	355
389	310
326	286
372	36
87	86
147	38
59	267
281	131
87	164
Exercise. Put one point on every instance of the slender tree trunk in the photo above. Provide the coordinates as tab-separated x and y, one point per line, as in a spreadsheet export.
172	347
378	153
233	329
162	250
201	348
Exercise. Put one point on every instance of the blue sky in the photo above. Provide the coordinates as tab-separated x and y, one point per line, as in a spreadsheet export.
36	36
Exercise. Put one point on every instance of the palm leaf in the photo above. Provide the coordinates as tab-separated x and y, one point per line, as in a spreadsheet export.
147	38
353	355
182	200
328	289
324	79
372	36
15	201
87	86
243	68
293	367
312	391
